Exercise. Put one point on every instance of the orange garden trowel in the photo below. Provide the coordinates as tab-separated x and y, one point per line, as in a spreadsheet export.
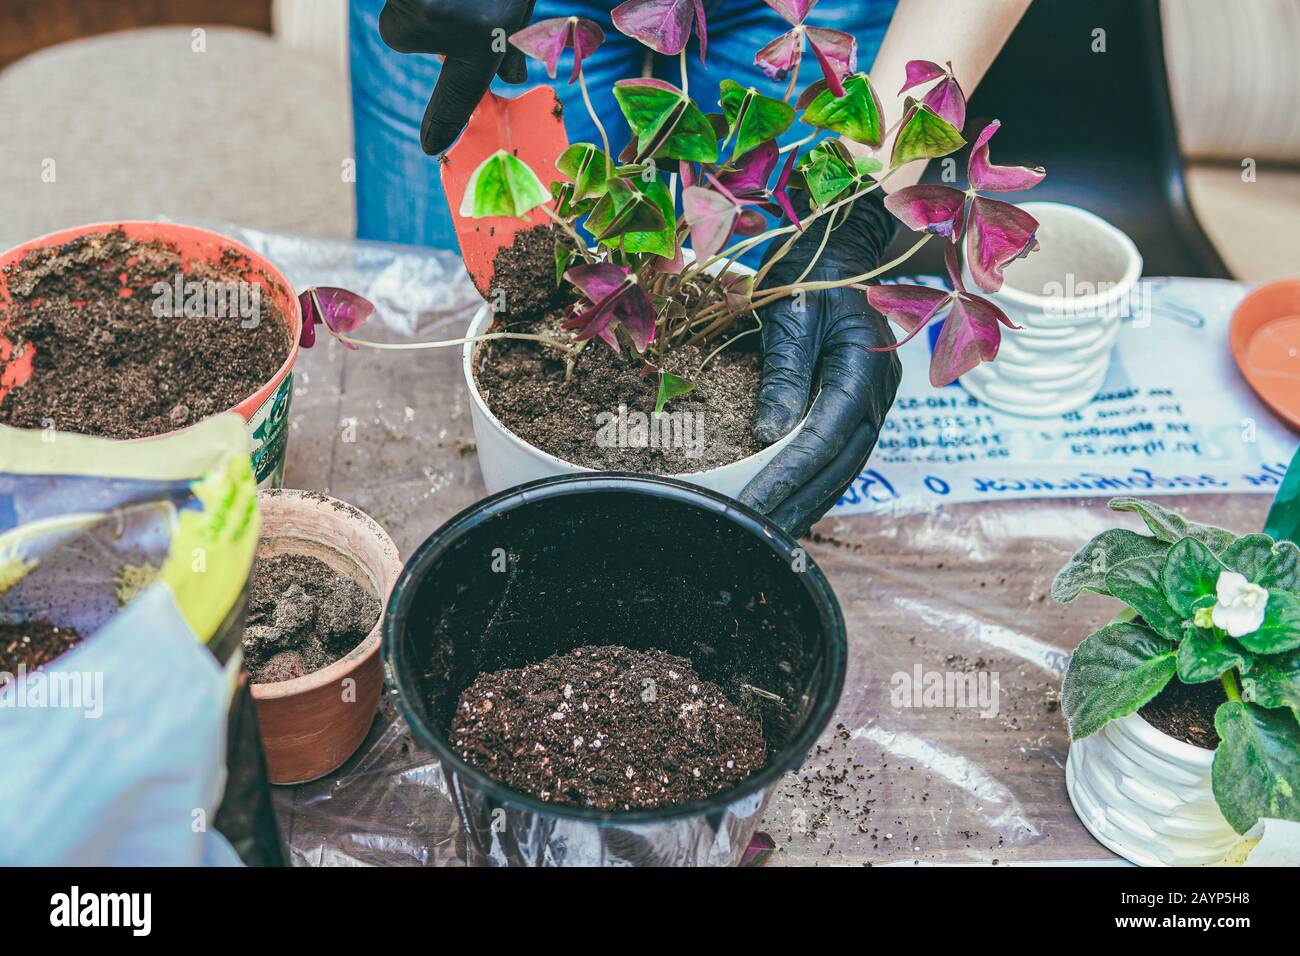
532	128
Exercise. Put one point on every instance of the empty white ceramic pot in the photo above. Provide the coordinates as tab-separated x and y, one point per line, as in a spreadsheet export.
507	460
1147	796
1069	298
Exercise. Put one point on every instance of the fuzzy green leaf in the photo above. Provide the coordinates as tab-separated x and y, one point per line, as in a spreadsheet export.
1170	526
1204	655
585	165
1274	681
670	387
856	114
1280	630
1263	562
1191	571
924	135
1136	582
1256	770
752	118
502	185
1113	672
1087	569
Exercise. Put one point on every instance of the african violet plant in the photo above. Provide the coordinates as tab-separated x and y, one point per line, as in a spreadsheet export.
633	284
1205	605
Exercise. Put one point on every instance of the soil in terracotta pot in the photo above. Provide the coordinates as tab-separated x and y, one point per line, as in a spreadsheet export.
525	386
106	364
1186	712
302	616
607	727
33	644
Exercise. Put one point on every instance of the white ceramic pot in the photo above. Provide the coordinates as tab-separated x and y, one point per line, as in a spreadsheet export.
1147	796
507	460
1069	299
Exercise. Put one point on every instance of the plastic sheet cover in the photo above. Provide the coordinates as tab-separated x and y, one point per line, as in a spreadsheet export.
948	745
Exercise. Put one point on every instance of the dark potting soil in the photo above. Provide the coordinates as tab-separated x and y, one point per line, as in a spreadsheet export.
607	727
106	365
1186	712
302	616
33	644
600	416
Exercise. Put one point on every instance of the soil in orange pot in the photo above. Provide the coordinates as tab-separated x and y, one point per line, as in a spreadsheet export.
302	616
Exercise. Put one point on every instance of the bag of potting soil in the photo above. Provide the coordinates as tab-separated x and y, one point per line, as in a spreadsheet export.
123	572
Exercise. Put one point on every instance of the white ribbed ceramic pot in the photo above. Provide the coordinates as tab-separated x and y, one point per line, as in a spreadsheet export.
1147	796
507	460
1069	299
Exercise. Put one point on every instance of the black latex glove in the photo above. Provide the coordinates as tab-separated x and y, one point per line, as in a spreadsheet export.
462	31
823	343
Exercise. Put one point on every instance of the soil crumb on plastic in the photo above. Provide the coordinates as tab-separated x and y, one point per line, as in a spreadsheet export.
302	616
111	359
1186	712
607	727
31	645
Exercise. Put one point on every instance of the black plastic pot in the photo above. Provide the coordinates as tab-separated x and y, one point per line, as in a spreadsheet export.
615	559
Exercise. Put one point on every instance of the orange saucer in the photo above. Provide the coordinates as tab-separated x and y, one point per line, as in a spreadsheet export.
1265	340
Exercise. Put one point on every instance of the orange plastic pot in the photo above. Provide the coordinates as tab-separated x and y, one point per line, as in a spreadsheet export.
267	409
1265	341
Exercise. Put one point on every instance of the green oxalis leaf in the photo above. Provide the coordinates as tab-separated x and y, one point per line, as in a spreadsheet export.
1274	681
1280	629
1256	770
1136	582
1171	527
752	118
825	172
660	242
502	185
585	165
1113	672
625	208
665	122
670	387
1190	572
565	206
856	114
563	253
1087	569
1205	655
924	135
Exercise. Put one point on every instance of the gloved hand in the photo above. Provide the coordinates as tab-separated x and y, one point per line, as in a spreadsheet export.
823	340
461	30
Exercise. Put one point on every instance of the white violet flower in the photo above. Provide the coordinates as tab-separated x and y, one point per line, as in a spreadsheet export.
1240	606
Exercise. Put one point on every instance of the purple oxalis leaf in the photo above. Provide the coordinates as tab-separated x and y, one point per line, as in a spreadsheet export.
778	57
927	208
779	191
910	306
614	296
970	335
837	55
750	222
750	172
711	216
920	71
794	11
341	311
760	848
985	177
947	99
662	25
997	233
545	40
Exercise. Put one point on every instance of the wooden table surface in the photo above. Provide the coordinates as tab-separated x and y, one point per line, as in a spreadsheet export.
963	590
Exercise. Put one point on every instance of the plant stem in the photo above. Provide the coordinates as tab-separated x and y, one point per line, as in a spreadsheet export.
685	78
1229	680
799	142
729	341
568	228
794	74
485	337
591	111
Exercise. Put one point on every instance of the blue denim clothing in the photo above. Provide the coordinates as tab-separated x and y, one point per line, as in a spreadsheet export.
399	195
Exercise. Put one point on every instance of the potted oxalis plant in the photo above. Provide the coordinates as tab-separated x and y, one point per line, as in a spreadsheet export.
1183	710
640	249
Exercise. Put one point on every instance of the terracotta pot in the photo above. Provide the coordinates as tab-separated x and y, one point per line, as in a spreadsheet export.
267	409
312	724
